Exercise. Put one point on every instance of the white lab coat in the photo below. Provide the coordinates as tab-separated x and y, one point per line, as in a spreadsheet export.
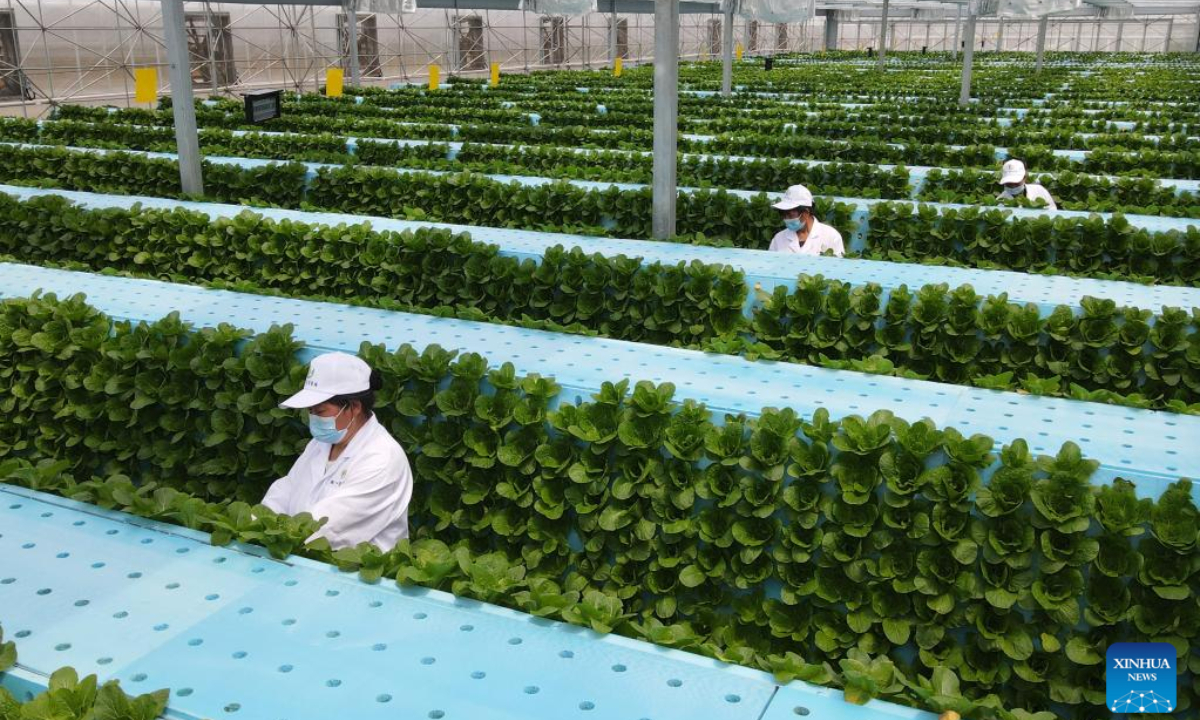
1035	192
364	493
822	237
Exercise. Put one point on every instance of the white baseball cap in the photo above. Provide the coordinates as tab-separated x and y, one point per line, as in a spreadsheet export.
330	375
797	196
1013	171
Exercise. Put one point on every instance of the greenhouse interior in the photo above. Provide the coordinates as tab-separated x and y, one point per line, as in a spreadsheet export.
407	359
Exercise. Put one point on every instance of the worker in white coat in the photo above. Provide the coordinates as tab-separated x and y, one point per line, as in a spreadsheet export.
802	232
353	472
1013	176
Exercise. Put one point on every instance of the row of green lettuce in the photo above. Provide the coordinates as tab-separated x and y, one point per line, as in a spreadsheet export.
710	217
1143	196
901	126
864	552
1184	164
513	95
566	93
1128	356
905	128
743	345
847	179
992	83
633	136
994	86
896	125
67	697
630	105
1108	248
965	128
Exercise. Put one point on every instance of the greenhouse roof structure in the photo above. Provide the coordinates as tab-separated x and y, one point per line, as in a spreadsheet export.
866	8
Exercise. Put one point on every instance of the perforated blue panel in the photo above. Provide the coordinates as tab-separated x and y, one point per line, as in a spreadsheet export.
23	683
761	268
797	701
1153	448
235	634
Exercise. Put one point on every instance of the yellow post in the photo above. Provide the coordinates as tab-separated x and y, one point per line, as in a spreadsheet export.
435	73
145	85
737	50
495	74
617	67
334	80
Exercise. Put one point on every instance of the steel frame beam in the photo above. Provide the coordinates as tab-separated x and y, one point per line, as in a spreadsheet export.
184	109
666	121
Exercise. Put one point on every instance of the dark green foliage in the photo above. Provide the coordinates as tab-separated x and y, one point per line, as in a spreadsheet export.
894	550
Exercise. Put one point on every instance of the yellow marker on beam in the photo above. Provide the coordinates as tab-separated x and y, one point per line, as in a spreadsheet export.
495	74
334	80
737	50
617	67
145	85
435	73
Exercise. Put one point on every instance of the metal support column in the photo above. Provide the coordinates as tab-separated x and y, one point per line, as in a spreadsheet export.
666	110
586	34
182	102
1096	37
1000	37
883	26
1170	31
964	95
1043	25
957	26
612	32
1197	48
727	50
1120	32
352	38
831	30
213	41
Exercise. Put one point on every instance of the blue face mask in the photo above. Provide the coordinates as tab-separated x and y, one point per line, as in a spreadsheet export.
793	224
325	428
